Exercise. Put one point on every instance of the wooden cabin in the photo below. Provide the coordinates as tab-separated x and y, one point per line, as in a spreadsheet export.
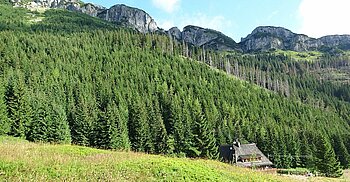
244	155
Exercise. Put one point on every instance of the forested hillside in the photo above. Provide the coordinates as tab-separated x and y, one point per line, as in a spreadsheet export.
74	78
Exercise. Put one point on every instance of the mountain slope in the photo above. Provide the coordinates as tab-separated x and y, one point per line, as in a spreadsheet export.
23	161
119	89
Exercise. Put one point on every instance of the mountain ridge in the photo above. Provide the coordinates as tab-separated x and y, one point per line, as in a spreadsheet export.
262	38
268	37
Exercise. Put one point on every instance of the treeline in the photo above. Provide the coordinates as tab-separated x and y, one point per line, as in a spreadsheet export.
281	74
123	90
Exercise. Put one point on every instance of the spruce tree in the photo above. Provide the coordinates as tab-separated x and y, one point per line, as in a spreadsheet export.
295	151
81	123
5	124
188	147
178	132
341	152
307	150
138	126
204	139
102	137
59	131
124	141
19	110
39	126
327	162
113	127
115	135
157	128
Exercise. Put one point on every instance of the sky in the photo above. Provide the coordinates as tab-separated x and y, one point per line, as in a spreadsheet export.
238	18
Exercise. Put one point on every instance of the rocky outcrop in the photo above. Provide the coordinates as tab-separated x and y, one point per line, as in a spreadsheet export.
90	9
339	41
175	32
202	37
120	14
48	4
267	38
130	17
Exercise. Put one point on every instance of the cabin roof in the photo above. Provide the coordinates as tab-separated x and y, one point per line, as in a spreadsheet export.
246	150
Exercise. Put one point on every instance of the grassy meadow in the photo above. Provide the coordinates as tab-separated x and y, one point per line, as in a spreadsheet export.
24	161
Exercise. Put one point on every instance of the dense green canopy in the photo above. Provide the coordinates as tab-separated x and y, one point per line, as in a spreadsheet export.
74	78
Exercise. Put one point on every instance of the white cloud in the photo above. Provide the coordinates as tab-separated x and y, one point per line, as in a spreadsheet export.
167	5
324	17
218	23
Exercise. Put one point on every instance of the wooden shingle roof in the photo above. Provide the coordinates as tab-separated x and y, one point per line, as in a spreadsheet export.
245	150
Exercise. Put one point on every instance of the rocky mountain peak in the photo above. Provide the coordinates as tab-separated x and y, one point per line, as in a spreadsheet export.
203	37
268	37
175	32
130	17
264	31
91	9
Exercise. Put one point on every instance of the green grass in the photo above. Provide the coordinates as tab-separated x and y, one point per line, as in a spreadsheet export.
21	160
24	161
300	56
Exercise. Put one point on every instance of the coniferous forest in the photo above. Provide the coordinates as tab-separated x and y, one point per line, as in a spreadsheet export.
75	79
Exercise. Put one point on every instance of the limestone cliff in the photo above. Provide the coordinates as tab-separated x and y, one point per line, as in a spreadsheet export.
120	14
268	37
206	38
130	17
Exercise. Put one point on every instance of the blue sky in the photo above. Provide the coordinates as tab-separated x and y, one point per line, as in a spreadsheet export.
237	18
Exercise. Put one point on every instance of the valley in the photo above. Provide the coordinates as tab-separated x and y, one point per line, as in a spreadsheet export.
79	75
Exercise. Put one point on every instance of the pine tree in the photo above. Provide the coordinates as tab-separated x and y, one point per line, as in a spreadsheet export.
124	142
326	162
188	144
5	124
307	149
204	138
341	152
157	128
102	134
295	151
81	123
19	110
113	120
178	132
138	127
59	131
39	126
115	126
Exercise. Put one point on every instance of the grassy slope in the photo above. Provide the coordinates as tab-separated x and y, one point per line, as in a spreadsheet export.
24	161
309	56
